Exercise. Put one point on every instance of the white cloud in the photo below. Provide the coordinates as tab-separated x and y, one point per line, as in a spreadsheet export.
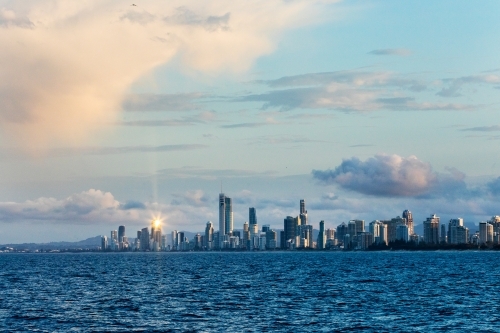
391	175
65	66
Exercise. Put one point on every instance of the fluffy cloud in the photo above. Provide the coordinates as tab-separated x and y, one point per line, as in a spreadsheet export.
92	206
391	175
95	207
65	67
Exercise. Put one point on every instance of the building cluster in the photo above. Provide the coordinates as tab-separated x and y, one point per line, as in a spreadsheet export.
297	233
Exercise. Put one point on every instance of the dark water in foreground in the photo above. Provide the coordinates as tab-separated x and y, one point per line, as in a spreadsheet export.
251	292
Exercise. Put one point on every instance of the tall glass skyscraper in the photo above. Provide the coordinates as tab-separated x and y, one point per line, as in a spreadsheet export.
228	215
222	218
303	212
121	233
252	216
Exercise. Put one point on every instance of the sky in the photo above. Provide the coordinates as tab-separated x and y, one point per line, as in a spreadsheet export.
113	114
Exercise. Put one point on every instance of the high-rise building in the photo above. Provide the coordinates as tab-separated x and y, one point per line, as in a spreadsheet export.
462	235
181	241
485	232
145	239
246	235
374	229
431	230
174	240
121	233
409	221
392	225
452	229
305	232
104	243
303	212
155	236
351	230
290	225
443	238
402	233
330	233
228	215
365	240
342	230
360	225
114	236
271	239
209	234
383	238
252	215
321	242
222	218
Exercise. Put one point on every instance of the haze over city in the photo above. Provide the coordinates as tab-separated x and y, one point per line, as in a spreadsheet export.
112	114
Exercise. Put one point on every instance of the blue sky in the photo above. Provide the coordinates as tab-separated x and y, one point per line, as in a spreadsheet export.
112	115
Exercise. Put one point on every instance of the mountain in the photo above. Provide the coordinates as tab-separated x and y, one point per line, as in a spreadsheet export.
88	243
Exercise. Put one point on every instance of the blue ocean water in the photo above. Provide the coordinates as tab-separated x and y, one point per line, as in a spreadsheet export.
251	292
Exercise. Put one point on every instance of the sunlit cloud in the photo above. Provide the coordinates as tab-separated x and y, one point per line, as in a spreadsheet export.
66	67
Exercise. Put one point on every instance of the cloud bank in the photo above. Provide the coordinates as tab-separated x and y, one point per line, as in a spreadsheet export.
391	176
65	67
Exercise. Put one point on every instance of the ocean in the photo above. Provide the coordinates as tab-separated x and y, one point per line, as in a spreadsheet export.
447	291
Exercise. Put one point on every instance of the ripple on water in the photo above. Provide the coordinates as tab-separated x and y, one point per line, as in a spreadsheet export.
251	292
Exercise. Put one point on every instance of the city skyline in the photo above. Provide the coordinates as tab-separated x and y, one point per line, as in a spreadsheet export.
298	234
112	114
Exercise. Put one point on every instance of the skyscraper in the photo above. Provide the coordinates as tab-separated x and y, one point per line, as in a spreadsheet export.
121	233
145	239
228	215
409	220
457	233
303	212
252	216
431	230
174	240
104	243
209	232
290	229
321	242
222	218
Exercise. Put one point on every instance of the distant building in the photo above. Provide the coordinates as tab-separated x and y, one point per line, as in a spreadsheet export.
321	241
222	219
228	215
408	216
360	225
485	232
121	233
431	230
290	225
306	232
402	233
365	240
342	230
303	212
383	238
209	233
145	239
271	239
175	244
104	243
252	215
